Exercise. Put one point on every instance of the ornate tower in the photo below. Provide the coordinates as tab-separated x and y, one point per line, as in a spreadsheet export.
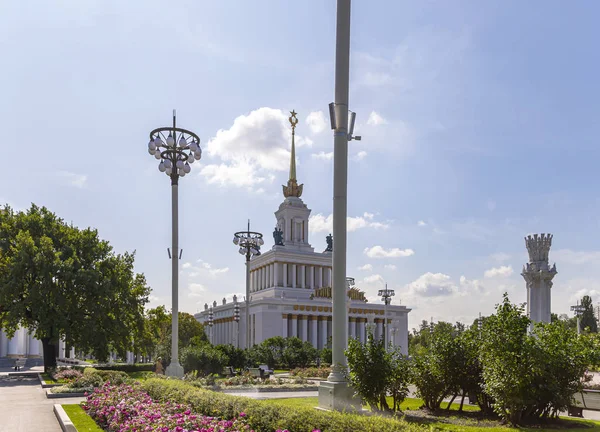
538	275
292	215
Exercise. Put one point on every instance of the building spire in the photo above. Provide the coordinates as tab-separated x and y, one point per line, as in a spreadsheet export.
293	189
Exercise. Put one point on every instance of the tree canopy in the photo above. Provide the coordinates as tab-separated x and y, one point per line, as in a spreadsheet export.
62	282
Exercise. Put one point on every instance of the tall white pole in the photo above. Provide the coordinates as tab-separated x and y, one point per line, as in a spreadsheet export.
248	299
174	368
340	189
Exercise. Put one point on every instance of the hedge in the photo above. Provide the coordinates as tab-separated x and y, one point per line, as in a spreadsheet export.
265	417
138	367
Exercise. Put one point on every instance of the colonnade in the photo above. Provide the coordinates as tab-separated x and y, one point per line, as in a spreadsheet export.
224	331
23	343
316	329
289	275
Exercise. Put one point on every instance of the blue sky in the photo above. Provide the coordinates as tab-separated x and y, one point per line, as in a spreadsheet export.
479	124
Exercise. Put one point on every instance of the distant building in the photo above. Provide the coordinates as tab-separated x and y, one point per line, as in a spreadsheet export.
290	288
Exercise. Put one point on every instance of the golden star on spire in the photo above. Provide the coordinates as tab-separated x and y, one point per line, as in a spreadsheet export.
293	189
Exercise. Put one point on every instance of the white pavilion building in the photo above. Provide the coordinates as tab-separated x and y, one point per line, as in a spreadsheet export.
290	289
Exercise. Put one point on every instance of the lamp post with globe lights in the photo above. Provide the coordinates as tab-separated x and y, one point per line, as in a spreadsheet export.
236	318
249	243
176	149
386	297
210	325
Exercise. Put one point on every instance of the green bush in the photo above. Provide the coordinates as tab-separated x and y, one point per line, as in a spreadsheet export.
236	357
265	417
138	367
95	378
205	359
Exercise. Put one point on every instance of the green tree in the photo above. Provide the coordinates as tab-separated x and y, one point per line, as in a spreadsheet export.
298	353
236	356
588	318
65	283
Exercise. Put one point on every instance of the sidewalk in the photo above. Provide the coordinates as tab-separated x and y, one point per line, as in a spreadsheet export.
24	406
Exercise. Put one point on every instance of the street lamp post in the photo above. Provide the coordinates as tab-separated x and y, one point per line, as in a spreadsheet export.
578	309
236	318
386	297
210	325
249	243
176	149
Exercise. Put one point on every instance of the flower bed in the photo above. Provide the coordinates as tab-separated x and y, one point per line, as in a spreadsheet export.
90	379
246	381
127	408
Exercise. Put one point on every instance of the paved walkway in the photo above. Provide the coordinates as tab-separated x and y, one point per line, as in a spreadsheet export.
24	406
277	395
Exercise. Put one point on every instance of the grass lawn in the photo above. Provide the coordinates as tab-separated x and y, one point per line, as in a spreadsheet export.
414	404
80	419
278	371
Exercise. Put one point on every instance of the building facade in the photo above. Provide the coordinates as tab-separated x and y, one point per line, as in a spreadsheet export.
290	289
22	344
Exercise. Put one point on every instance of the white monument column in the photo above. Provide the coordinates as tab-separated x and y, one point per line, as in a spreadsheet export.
293	275
285	326
302	276
538	276
285	274
311	277
313	331
294	332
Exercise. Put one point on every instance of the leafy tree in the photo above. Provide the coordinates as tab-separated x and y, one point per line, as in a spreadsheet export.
588	318
65	283
204	359
236	357
298	353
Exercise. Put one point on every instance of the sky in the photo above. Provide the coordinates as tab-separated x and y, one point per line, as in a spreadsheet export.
479	124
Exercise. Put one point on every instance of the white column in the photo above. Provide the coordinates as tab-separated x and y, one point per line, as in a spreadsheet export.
303	276
268	268
313	332
3	344
304	328
293	275
272	274
294	326
328	277
285	326
72	353
324	336
379	334
311	277
320	277
276	274
363	330
285	278
352	332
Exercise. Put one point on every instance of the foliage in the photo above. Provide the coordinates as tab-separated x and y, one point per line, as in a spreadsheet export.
375	372
126	407
138	367
588	321
298	353
326	355
278	352
311	372
64	282
531	376
263	416
236	357
205	359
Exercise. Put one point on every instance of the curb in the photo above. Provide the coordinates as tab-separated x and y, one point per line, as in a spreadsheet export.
63	419
50	395
45	384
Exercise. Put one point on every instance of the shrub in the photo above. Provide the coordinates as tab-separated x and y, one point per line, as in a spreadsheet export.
311	372
265	417
236	357
375	372
205	359
138	367
326	355
67	374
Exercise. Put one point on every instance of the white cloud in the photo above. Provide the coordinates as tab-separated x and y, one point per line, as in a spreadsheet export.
471	285
432	285
321	223
360	155
76	180
368	215
366	267
316	122
380	252
322	155
373	278
421	223
251	149
375	119
502	271
390	266
196	290
203	267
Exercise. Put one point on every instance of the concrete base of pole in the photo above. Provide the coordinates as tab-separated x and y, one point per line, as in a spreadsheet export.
338	396
174	370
